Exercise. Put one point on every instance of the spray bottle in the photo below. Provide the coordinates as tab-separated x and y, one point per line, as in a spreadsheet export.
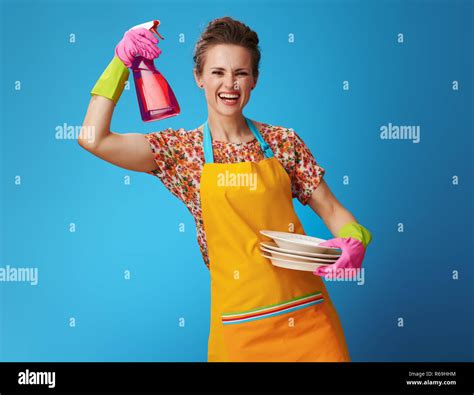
155	96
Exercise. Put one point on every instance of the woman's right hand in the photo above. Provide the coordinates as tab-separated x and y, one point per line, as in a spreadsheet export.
130	151
137	42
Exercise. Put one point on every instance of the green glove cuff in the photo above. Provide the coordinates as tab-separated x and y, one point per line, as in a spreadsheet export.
356	231
112	81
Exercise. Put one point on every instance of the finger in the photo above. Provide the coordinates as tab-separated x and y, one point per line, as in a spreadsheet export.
324	271
331	242
146	54
319	271
144	33
154	50
143	40
149	48
328	243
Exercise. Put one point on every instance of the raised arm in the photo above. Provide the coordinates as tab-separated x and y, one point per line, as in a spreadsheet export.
127	150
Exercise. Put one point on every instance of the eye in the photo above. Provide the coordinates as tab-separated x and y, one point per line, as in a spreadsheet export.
240	73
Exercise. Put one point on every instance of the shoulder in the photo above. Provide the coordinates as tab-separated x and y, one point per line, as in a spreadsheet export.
280	138
274	132
178	145
174	134
176	137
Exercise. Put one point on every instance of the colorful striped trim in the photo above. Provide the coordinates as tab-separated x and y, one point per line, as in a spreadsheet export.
273	310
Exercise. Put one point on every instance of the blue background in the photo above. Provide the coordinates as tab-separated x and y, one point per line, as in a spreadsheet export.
136	227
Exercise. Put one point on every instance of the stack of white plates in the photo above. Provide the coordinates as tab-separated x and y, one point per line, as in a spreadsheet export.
297	252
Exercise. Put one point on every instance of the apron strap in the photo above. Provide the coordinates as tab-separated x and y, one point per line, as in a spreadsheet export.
207	144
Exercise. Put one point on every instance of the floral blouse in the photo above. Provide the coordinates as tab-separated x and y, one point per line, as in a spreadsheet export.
179	156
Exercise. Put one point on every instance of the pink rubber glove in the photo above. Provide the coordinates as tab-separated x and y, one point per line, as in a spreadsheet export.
137	42
352	255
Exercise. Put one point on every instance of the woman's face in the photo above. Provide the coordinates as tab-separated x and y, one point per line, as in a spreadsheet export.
227	70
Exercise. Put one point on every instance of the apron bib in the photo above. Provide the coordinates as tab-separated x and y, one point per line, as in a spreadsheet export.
260	312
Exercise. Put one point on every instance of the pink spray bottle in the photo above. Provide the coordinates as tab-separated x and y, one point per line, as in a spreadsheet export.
155	96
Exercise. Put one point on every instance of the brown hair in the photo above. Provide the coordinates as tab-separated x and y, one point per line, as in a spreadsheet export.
227	31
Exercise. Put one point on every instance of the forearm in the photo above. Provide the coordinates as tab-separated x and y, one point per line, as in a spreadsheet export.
329	209
336	217
105	95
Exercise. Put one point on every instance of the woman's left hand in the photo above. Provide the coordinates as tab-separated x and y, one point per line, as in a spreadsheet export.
352	255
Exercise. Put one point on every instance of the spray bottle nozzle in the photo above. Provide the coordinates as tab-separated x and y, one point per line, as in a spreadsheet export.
154	29
152	26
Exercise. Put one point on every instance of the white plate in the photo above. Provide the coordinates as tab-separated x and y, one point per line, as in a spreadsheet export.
271	245
292	265
297	258
303	243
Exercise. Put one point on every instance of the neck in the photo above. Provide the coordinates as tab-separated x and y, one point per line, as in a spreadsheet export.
231	129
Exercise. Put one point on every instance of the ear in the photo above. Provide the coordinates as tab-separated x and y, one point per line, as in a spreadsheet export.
197	79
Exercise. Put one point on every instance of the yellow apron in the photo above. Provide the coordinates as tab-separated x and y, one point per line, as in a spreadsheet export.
260	312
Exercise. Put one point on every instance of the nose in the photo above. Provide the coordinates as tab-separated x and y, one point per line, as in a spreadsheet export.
229	82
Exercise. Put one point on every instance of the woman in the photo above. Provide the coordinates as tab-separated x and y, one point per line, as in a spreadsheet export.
259	312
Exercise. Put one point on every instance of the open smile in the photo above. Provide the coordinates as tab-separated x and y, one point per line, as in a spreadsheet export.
229	99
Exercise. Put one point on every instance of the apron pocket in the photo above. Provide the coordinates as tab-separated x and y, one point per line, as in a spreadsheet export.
294	330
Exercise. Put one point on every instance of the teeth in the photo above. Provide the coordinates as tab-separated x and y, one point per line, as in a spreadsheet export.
228	96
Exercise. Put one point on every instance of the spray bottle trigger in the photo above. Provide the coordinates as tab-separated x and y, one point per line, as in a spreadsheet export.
151	25
154	29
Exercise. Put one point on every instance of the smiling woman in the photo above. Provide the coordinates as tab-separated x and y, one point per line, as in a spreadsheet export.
238	177
227	58
227	79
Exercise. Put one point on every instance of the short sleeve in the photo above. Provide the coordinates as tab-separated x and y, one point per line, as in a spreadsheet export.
306	174
168	150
